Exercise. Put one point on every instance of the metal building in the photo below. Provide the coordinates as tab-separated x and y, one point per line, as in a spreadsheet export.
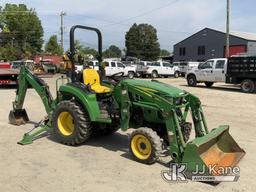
209	43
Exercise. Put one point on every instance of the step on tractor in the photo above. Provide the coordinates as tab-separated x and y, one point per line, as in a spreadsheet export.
90	103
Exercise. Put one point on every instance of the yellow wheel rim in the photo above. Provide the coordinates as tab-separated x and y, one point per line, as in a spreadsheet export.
66	123
141	147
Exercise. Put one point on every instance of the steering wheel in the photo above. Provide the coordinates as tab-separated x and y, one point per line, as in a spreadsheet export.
117	76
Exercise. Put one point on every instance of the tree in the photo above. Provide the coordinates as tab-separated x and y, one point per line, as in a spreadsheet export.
53	47
141	41
112	52
84	51
24	28
164	52
9	53
89	51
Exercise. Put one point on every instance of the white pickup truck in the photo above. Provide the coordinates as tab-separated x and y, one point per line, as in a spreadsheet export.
235	70
141	68
113	67
184	67
160	68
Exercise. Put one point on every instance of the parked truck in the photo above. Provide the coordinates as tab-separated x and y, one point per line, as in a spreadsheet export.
184	67
113	67
142	67
8	76
234	70
49	66
158	69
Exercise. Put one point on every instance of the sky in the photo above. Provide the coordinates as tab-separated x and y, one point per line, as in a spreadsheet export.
173	19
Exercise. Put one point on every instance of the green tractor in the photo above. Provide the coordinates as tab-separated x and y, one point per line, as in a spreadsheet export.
90	103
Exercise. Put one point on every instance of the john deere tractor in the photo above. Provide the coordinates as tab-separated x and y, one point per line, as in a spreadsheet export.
90	103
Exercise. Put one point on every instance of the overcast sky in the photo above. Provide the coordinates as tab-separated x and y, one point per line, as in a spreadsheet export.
173	19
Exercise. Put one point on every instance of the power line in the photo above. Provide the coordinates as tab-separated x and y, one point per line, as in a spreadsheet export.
128	25
121	22
142	14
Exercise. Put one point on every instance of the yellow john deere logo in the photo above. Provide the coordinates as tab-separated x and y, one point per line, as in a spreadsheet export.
146	90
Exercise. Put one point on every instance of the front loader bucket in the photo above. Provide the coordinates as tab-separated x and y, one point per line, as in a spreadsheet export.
18	117
213	153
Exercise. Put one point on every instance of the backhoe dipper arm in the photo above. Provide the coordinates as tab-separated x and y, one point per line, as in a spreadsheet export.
19	116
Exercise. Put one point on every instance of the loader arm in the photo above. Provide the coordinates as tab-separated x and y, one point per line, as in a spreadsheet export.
19	116
154	101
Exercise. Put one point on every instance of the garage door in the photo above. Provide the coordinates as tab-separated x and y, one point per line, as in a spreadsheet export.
236	50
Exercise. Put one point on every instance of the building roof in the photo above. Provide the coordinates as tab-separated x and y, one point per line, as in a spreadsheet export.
243	35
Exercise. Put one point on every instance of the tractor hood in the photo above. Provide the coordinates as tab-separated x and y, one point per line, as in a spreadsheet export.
155	87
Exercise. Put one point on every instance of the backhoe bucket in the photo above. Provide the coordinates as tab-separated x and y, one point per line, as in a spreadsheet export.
213	153
18	117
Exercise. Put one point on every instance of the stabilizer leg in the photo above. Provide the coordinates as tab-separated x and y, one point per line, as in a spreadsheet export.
36	133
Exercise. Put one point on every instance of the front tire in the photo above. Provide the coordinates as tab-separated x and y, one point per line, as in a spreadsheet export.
145	145
191	80
248	86
71	123
154	74
131	74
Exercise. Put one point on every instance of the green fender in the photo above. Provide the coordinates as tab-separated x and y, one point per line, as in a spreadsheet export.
87	99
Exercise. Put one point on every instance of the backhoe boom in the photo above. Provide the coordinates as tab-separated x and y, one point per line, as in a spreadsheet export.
18	115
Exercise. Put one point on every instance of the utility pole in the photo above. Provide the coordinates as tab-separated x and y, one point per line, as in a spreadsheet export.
227	29
62	14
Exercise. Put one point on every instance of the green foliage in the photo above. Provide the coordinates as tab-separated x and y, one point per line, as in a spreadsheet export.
22	28
164	52
84	51
9	53
141	41
112	52
53	47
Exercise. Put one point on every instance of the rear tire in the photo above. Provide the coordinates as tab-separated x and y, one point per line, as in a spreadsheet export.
154	74
191	80
71	123
131	74
208	84
145	145
248	86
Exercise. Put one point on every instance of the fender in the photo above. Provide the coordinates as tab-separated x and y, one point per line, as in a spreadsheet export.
191	73
84	96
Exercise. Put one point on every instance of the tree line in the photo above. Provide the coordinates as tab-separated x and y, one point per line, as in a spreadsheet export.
21	36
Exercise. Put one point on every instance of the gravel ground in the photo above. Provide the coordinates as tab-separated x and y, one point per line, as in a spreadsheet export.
104	164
